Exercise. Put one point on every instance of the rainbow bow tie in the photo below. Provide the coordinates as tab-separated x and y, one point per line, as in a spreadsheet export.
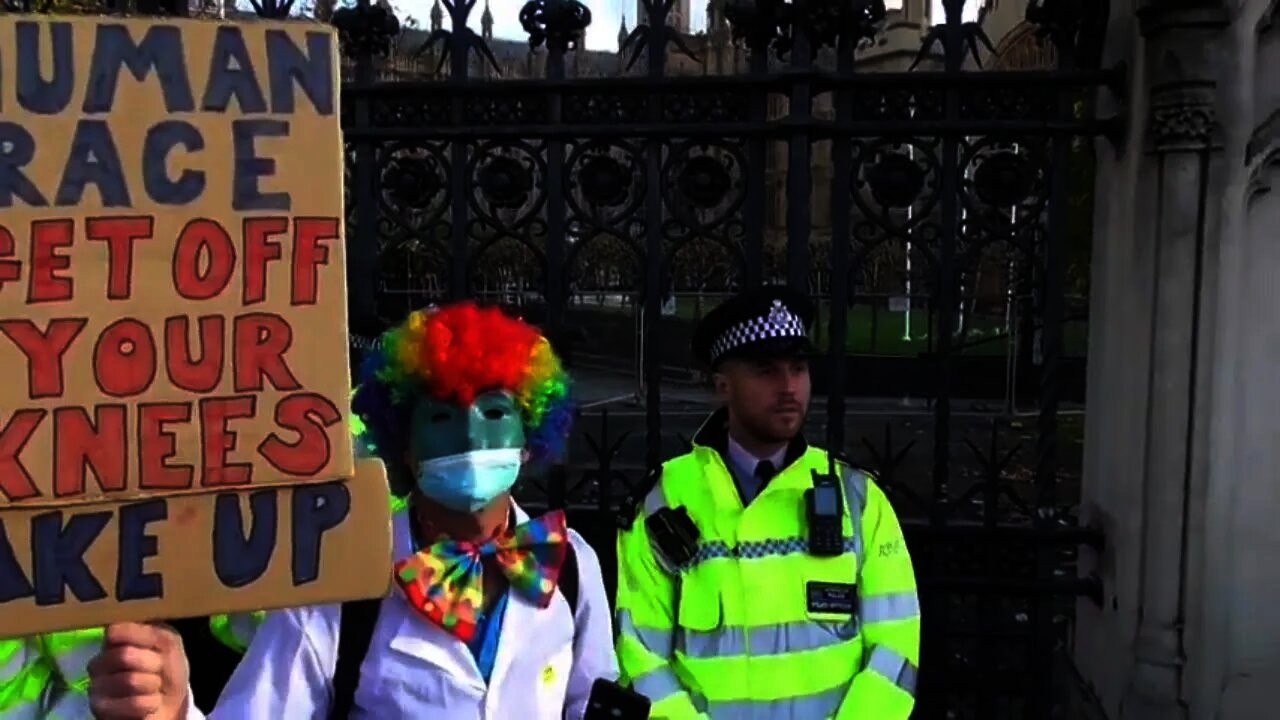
444	582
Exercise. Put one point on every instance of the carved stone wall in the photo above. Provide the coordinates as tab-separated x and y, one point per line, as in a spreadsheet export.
1247	616
1183	444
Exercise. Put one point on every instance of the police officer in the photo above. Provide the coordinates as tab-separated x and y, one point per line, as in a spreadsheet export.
761	579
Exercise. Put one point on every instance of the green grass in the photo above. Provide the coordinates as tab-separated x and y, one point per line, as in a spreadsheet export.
875	330
878	331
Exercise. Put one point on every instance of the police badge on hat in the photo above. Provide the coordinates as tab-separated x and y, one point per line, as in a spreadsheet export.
780	316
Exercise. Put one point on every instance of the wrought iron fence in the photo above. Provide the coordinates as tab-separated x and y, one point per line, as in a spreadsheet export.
572	196
610	201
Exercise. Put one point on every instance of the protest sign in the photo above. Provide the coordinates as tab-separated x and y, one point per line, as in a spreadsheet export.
174	430
195	554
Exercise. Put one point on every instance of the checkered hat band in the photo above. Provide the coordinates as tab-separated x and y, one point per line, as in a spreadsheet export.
754	330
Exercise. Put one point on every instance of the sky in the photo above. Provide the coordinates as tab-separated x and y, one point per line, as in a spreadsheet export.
602	34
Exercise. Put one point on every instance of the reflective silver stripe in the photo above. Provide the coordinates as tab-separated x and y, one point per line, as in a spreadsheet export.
244	626
13	653
855	491
756	549
855	498
73	662
71	705
655	500
893	667
24	711
820	705
654	640
888	608
658	684
763	640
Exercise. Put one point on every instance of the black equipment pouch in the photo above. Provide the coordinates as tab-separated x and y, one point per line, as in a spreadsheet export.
673	537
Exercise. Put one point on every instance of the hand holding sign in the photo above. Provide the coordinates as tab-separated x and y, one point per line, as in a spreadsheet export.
141	674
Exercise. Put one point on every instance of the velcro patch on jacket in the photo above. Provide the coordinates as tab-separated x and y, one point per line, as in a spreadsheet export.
827	597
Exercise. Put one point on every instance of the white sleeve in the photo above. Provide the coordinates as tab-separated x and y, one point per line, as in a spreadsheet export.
287	670
593	655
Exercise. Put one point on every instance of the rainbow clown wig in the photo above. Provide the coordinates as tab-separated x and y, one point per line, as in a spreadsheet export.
452	354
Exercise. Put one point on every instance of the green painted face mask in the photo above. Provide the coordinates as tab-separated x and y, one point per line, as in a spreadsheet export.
464	457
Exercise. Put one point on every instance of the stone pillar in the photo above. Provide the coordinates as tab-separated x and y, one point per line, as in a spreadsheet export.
1148	354
1183	163
1243	587
1182	464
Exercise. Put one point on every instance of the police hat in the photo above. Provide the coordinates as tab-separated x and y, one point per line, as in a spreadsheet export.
763	323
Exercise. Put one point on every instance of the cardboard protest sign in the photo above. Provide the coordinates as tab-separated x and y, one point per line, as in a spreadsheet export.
201	554
174	426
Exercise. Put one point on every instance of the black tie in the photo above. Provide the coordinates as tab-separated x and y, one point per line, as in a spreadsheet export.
765	472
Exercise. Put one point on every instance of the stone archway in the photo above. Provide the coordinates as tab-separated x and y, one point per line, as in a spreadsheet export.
1021	49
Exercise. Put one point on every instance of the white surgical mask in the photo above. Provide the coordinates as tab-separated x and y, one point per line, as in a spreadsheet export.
468	481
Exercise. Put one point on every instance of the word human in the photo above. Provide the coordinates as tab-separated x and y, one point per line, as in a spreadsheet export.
41	78
61	539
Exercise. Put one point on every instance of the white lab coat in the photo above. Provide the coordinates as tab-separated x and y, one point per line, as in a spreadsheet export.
416	670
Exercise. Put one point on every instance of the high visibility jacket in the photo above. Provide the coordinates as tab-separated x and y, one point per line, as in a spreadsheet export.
21	683
47	676
236	631
735	633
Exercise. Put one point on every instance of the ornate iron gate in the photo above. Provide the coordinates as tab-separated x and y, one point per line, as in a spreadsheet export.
957	170
622	196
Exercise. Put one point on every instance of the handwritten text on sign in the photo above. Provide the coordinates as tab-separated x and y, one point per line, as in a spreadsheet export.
174	422
170	196
190	555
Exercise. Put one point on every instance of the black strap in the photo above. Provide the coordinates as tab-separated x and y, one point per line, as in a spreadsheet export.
568	582
355	632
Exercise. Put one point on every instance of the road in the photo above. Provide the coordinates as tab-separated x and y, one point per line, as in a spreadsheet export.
892	436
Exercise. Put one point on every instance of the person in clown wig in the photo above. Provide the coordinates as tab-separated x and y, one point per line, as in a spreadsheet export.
492	614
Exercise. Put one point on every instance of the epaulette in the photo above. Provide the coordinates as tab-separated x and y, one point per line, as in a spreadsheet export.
628	510
651	480
845	463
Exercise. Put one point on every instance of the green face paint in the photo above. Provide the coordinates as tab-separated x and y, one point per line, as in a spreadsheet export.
464	457
440	429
